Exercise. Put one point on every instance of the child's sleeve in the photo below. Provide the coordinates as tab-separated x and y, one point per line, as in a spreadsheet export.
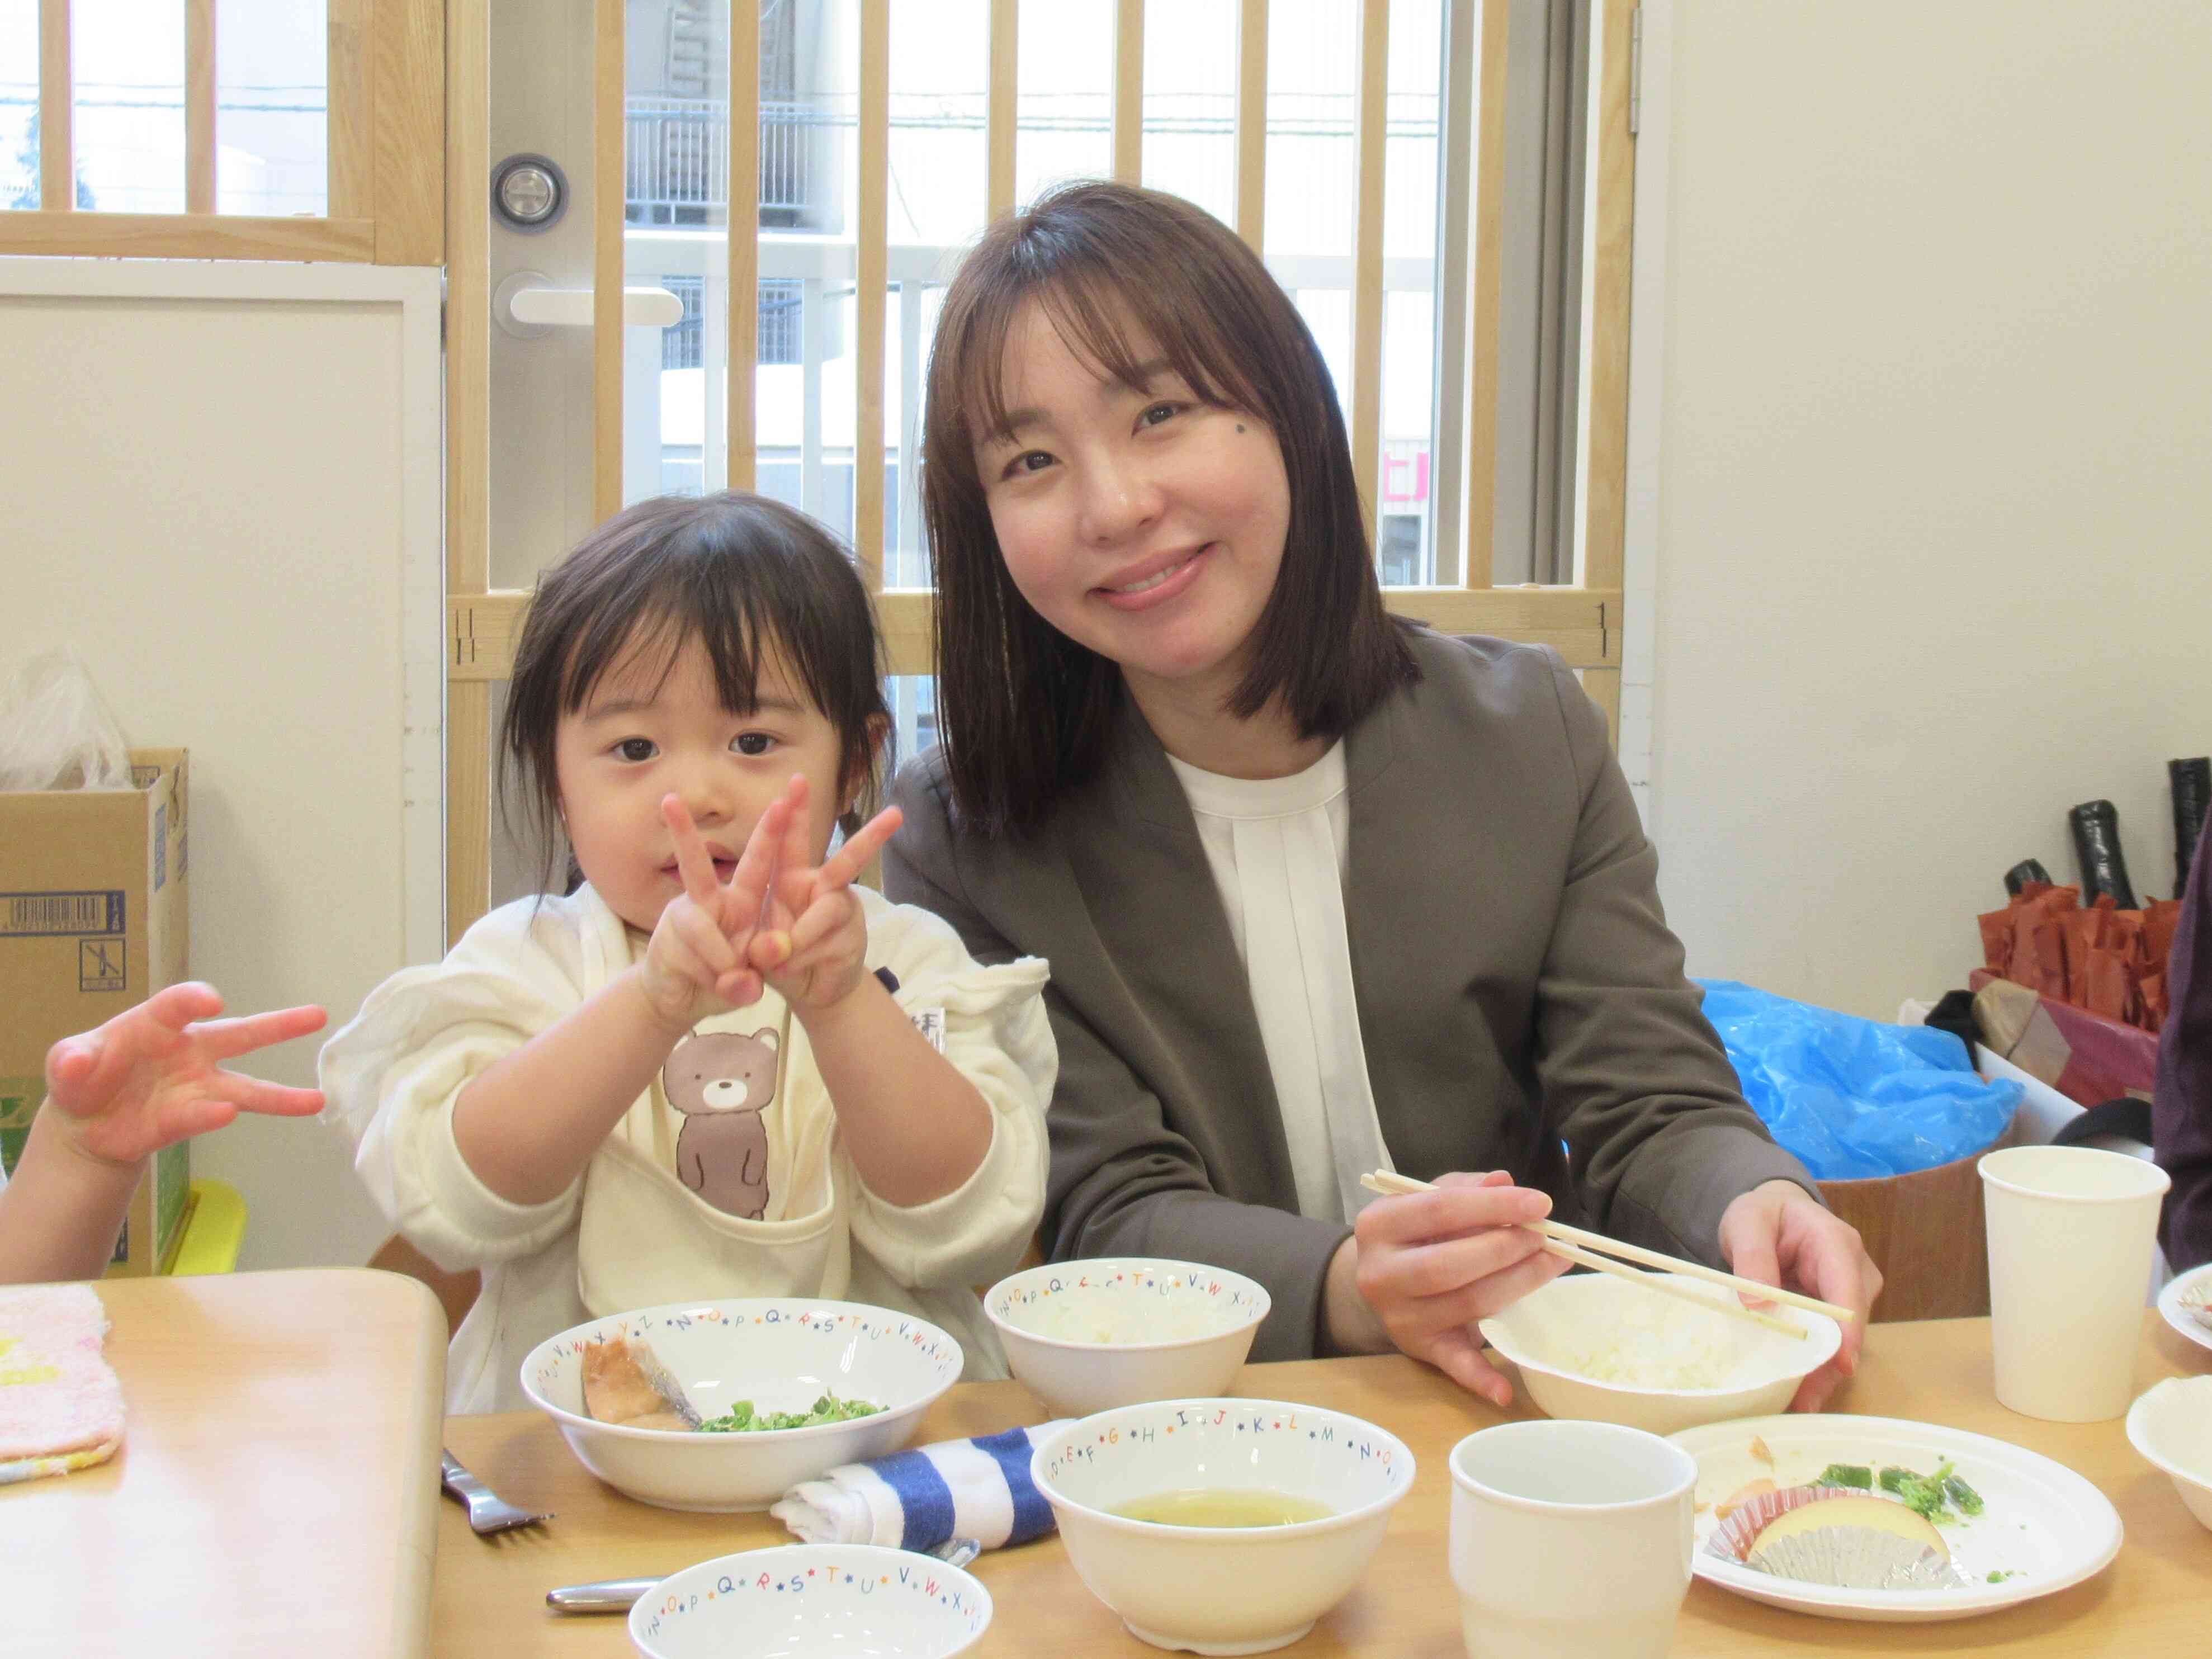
392	1075
995	1033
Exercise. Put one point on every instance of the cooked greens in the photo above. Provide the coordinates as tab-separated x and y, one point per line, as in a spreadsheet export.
741	1418
1941	1496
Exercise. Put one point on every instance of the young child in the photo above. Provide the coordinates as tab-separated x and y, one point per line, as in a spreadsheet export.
146	1080
714	1067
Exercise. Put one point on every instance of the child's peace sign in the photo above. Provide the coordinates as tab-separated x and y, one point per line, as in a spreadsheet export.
695	964
811	940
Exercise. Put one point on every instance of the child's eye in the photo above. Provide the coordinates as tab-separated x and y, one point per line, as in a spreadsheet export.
753	743
1158	413
636	748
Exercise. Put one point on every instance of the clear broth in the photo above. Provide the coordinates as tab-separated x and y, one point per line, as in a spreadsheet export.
1222	1507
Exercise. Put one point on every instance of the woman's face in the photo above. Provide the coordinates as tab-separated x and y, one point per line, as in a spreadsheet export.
1139	522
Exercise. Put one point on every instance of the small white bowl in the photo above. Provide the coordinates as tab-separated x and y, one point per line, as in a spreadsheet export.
856	1600
782	1355
2171	1426
1552	1335
1178	1329
1221	1590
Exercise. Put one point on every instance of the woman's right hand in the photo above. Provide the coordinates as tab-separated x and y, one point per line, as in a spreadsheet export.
1430	1264
695	964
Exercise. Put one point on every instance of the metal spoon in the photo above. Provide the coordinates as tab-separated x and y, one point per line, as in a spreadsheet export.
620	1594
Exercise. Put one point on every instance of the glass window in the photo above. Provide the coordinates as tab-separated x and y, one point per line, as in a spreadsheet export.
19	103
128	61
272	107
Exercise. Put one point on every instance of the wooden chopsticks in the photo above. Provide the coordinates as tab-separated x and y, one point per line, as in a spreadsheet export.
1561	1240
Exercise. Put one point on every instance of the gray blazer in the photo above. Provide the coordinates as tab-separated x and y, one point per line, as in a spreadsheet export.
1518	987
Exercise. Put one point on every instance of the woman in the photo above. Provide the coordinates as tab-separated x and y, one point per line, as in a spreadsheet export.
1320	891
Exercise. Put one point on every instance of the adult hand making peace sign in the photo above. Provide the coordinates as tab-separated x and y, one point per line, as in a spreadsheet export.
780	919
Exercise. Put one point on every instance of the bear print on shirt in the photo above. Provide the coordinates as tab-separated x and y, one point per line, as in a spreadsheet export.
721	1080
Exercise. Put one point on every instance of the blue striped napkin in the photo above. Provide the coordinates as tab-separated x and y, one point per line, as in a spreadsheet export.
915	1499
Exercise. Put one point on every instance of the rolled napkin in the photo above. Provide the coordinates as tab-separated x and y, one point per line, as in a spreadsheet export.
61	1408
915	1499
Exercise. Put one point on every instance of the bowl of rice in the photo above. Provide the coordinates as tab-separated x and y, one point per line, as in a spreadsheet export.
1087	1336
1590	1346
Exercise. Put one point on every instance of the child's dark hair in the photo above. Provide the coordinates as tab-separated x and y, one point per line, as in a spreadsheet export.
1024	712
744	575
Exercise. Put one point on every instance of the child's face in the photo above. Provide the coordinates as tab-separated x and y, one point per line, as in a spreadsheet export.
1144	525
635	742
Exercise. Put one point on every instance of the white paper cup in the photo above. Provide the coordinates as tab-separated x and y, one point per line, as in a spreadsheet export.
2070	1234
1570	1541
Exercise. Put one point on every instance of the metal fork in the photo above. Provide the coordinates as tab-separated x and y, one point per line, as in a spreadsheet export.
489	1513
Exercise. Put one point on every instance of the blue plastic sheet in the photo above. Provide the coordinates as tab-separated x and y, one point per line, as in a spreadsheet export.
1849	1096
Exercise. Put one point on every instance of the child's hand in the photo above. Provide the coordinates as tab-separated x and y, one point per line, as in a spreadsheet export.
695	964
150	1077
813	940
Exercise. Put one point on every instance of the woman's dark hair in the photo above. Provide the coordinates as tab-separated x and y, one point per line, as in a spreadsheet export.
743	575
1125	274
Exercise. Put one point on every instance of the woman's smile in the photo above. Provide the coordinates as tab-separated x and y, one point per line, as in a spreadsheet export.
1157	581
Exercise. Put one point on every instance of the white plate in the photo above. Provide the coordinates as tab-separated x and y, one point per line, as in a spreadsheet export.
2039	1521
2196	1285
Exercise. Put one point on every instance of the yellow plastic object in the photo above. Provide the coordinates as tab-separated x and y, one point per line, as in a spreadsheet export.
214	1228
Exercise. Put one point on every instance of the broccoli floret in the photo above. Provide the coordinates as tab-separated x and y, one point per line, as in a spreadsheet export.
1855	1475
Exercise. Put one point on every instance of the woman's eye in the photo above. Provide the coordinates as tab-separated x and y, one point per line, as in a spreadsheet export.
754	743
1029	461
636	748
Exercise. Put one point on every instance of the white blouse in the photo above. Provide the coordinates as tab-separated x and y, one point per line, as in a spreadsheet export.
1277	849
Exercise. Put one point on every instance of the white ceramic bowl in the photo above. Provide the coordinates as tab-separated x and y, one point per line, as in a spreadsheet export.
2171	1426
1660	1346
1221	1590
782	1355
854	1600
1174	1329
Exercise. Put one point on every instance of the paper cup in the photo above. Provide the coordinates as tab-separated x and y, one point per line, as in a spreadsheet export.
2070	1234
1570	1541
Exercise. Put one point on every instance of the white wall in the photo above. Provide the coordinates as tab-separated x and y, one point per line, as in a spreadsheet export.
1933	468
222	485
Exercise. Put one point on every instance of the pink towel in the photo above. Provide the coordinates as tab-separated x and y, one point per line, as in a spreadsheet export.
61	1408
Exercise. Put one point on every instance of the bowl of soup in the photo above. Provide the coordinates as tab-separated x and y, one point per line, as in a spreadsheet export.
1088	1336
1593	1346
1219	1525
785	1388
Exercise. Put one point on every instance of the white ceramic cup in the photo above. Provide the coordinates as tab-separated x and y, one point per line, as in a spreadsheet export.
1570	1541
2070	1234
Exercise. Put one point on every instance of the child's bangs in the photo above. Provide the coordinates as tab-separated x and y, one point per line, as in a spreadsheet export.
1117	325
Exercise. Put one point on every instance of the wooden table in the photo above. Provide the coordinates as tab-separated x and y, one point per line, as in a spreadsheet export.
276	1490
2155	1600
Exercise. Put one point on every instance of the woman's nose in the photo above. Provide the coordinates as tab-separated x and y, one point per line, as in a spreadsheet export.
1119	498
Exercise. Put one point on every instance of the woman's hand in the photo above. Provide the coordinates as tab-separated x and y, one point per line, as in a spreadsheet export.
1776	1233
151	1076
695	964
812	941
1430	1264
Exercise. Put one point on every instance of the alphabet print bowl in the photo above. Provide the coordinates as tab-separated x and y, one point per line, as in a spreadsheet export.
780	1354
1214	1588
854	1600
1088	1336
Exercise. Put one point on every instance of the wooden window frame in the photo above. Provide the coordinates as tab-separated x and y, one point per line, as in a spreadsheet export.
388	151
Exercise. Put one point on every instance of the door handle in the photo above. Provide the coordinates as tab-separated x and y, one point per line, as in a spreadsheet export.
527	304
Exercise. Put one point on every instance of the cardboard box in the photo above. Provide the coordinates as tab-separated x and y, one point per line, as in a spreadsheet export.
93	918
